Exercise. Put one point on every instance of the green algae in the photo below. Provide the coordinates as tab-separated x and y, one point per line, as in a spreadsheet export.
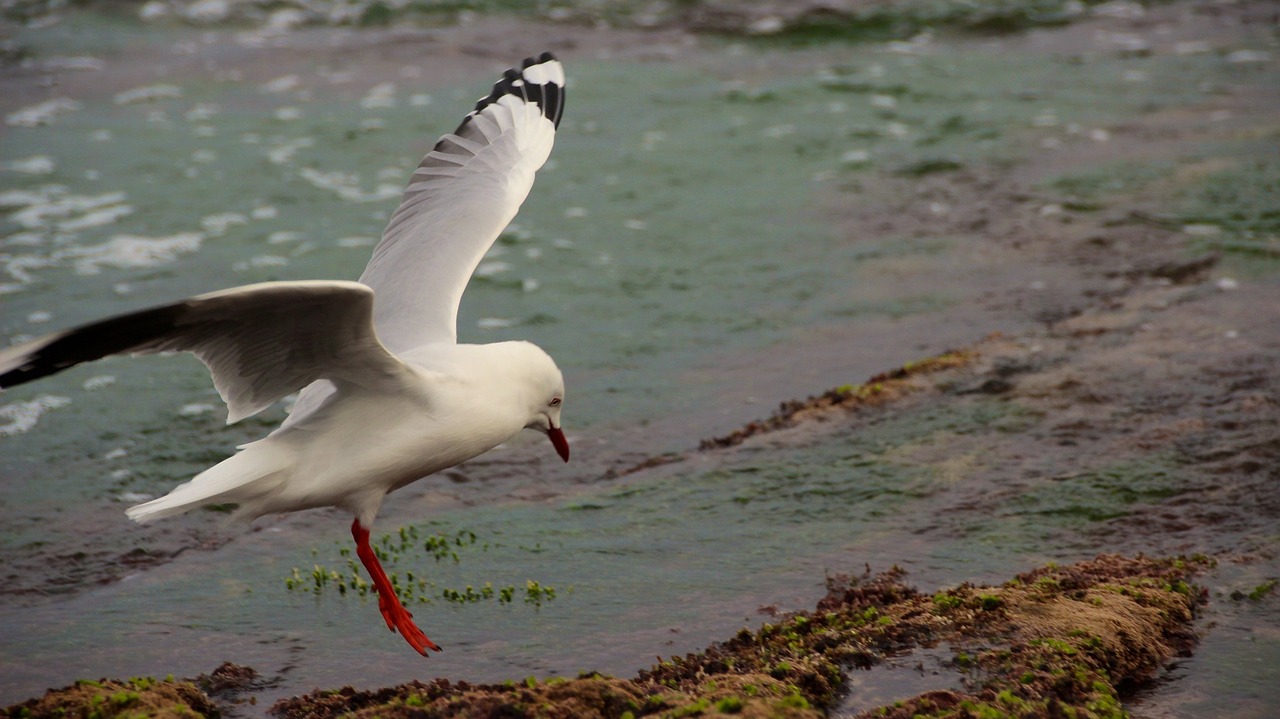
879	390
1057	641
1237	211
407	545
136	698
1103	493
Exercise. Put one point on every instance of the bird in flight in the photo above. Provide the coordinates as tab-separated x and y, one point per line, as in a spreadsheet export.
387	394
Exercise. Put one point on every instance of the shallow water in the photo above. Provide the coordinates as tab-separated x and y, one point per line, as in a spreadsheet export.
681	261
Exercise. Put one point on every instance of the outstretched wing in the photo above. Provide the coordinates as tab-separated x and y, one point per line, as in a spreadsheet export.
260	342
461	197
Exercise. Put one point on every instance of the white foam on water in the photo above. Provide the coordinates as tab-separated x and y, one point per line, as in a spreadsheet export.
494	323
283	83
489	269
82	63
51	203
148	93
283	236
283	153
96	218
346	185
21	417
124	251
216	225
195	409
34	165
201	112
42	113
98	382
380	96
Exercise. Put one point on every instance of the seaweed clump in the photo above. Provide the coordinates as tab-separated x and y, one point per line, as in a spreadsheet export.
879	390
111	699
1057	641
1054	642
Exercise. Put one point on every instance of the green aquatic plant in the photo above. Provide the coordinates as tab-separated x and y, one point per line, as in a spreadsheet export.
409	587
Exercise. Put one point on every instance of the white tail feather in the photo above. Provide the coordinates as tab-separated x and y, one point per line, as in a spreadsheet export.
246	475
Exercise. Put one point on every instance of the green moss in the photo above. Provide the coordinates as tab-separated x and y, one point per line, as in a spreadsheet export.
944	601
1262	590
730	705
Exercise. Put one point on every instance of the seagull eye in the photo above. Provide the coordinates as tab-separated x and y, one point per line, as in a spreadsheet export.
555	402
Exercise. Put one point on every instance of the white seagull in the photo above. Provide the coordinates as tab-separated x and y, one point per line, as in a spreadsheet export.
388	396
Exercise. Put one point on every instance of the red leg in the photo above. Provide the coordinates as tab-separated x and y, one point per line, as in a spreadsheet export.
398	618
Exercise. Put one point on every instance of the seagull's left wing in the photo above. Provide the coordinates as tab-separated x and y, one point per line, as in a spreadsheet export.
461	197
260	342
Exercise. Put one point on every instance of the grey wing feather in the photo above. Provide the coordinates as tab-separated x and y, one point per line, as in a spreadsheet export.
457	202
260	342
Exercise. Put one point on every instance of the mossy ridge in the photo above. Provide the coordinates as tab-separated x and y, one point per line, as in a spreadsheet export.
1057	641
879	390
586	696
137	698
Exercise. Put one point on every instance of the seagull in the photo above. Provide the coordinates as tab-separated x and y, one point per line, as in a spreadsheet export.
387	394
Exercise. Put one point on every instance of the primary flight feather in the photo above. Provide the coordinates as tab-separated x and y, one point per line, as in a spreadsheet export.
388	396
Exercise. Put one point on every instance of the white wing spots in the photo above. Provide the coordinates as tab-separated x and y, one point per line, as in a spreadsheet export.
546	72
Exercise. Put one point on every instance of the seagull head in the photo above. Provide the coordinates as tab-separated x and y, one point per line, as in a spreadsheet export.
548	421
545	384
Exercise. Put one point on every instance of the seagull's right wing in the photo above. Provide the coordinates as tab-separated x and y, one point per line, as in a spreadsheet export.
260	342
458	201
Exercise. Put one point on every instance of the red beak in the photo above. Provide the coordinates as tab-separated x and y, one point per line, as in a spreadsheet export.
561	444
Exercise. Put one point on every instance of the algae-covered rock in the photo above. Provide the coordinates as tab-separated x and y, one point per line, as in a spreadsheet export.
1056	641
108	698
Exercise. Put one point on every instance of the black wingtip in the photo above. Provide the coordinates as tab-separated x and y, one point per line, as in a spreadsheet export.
531	61
549	96
58	351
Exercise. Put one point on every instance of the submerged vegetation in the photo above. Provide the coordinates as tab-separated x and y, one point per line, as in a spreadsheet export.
441	546
1056	641
876	391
